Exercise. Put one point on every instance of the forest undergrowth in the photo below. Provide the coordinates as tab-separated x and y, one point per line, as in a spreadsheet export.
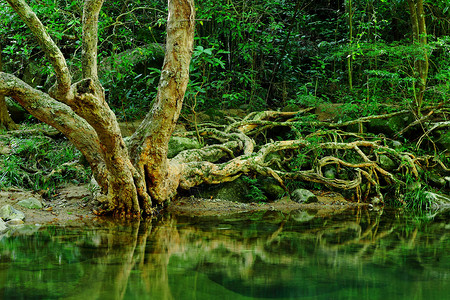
389	159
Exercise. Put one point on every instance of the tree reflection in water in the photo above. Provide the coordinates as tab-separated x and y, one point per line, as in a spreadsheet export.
361	254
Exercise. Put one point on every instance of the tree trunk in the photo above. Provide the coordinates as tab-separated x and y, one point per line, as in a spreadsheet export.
5	119
134	178
421	64
149	144
349	8
80	110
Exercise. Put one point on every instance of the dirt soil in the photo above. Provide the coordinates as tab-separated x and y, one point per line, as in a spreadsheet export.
73	205
70	205
327	204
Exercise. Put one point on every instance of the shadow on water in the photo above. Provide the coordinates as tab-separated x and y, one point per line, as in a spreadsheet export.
266	255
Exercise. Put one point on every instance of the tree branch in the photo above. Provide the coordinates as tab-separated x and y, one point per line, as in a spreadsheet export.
51	50
61	117
91	11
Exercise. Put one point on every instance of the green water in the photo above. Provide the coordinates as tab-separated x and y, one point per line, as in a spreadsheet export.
356	255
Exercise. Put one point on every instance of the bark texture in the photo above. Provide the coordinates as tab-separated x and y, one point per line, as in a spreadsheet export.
149	144
51	50
59	116
5	119
135	178
421	63
79	110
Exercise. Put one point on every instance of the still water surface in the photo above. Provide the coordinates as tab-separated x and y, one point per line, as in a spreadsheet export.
356	255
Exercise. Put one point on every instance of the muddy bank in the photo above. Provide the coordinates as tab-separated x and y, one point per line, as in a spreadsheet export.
73	205
190	206
70	205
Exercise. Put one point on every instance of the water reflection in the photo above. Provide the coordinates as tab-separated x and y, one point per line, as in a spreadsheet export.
302	255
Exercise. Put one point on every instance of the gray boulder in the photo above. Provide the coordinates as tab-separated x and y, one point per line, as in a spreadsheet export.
236	190
386	163
302	216
8	212
31	203
303	196
443	140
272	189
396	144
3	226
437	201
15	222
436	180
414	186
447	179
330	173
390	126
17	112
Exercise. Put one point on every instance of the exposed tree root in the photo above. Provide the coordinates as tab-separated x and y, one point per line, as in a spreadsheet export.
364	163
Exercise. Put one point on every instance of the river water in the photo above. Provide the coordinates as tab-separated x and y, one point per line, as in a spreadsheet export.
359	254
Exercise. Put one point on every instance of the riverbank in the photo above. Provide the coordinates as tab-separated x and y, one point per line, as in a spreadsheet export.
74	205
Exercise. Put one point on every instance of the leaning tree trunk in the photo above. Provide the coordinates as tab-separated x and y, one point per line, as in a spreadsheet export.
149	144
132	178
80	112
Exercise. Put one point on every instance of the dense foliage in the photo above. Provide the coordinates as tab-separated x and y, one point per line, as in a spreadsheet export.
347	59
262	54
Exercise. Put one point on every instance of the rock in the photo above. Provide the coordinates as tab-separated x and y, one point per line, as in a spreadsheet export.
376	200
303	196
128	128
447	178
178	144
415	185
436	180
5	148
15	222
357	128
3	226
436	200
31	203
272	189
443	140
396	144
17	112
8	212
302	216
330	173
390	126
386	163
236	190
